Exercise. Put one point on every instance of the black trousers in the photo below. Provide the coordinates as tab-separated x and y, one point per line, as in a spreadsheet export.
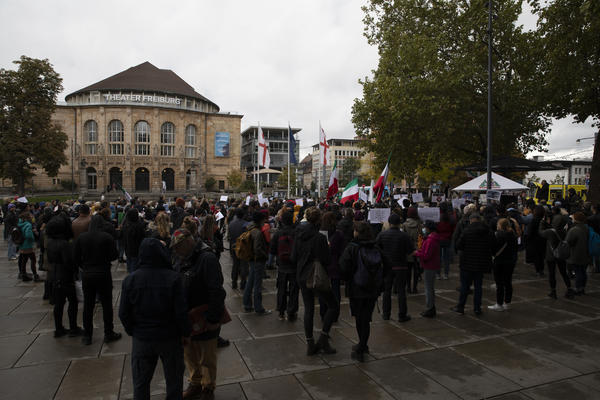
23	257
287	292
362	309
145	355
562	269
100	285
62	293
397	278
503	277
333	307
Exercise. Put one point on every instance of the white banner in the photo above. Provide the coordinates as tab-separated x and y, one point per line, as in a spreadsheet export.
417	197
429	213
363	196
300	202
456	203
379	215
219	216
223	198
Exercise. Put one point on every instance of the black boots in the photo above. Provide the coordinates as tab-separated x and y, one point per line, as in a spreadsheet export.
323	344
552	294
311	347
428	313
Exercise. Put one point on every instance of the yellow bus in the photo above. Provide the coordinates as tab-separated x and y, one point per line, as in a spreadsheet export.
557	192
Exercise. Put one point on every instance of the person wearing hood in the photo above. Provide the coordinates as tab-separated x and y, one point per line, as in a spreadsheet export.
59	252
577	238
132	232
363	269
311	246
505	259
93	252
475	244
414	227
397	246
429	255
153	311
553	230
27	248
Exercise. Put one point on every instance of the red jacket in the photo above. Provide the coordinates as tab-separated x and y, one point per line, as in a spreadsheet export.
429	253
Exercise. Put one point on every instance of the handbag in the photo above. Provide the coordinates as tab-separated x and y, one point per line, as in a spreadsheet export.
562	251
197	317
317	277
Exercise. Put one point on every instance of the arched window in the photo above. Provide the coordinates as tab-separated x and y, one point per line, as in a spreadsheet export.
142	138
90	129
115	137
167	139
92	182
190	141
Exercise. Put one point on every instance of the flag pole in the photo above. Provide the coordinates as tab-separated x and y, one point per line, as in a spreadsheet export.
289	149
258	161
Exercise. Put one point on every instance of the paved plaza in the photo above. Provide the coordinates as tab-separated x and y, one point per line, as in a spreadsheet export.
540	349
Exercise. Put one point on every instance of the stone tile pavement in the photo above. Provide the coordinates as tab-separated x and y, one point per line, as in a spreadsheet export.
540	349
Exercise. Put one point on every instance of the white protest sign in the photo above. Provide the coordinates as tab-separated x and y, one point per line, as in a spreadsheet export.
223	198
417	197
429	213
262	200
188	204
248	198
397	196
22	200
219	216
299	202
438	197
493	195
379	215
456	203
363	196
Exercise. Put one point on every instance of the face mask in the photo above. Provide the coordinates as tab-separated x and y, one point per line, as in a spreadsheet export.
424	230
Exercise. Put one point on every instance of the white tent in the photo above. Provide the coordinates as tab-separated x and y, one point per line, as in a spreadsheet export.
498	183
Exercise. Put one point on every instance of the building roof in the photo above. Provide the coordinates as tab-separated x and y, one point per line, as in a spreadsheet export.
148	78
251	129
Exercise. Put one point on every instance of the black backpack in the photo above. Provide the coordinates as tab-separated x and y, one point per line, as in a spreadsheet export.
17	236
369	274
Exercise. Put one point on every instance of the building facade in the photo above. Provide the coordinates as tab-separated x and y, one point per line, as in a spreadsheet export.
339	150
567	172
147	131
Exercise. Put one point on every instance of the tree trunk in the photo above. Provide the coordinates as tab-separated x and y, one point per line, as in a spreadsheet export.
594	189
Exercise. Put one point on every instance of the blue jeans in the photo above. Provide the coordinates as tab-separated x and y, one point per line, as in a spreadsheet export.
466	279
131	264
445	256
580	276
12	249
254	284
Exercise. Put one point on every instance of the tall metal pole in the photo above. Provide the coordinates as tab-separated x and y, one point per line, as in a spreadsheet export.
489	124
72	167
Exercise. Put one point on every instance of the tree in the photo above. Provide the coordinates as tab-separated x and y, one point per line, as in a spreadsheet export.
234	178
349	170
210	183
28	137
282	179
248	186
569	32
427	99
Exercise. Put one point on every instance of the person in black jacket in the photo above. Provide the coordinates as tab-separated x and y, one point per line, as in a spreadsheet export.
93	253
287	286
11	221
153	311
132	232
59	252
396	246
240	267
362	297
203	282
310	246
476	244
504	264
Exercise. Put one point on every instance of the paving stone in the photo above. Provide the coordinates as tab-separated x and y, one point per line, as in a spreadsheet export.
9	305
592	380
269	325
570	306
33	305
593	325
563	390
347	382
46	325
281	387
97	378
46	349
35	382
157	385
585	340
561	351
404	381
235	330
277	356
460	374
122	346
343	346
19	324
516	364
12	348
512	396
230	366
436	332
35	292
13	292
227	392
478	327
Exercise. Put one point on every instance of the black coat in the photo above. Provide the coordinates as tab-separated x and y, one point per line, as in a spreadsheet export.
309	245
153	304
132	234
395	246
476	244
285	230
59	253
94	251
349	265
508	256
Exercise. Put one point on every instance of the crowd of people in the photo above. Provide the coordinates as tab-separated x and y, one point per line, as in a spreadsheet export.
173	301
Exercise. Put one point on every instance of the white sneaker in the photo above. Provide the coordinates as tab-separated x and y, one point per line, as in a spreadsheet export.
496	307
506	306
446	277
493	286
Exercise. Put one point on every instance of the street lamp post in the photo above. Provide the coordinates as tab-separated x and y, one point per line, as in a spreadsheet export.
489	110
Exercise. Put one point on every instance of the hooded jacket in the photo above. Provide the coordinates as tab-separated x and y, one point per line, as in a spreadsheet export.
429	253
396	246
94	250
349	265
259	244
309	245
285	230
133	232
59	252
577	237
153	304
26	228
476	244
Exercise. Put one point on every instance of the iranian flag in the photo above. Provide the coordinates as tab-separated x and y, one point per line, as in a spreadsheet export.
380	185
350	191
333	182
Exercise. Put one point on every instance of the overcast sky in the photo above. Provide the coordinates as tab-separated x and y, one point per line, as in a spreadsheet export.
272	61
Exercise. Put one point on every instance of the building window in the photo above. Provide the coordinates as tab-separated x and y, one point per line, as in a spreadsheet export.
221	185
167	139
92	178
190	141
115	137
142	138
56	181
91	137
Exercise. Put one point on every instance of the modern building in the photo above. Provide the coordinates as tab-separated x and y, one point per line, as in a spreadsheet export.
567	172
305	168
340	150
277	139
146	130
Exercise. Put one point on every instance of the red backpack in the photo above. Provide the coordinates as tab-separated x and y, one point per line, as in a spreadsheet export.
285	243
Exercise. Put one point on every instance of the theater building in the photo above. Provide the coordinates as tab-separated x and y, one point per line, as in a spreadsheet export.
148	131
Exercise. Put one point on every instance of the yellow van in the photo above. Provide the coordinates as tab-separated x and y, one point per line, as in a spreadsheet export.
557	192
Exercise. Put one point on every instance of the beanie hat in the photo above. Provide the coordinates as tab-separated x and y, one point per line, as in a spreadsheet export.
179	236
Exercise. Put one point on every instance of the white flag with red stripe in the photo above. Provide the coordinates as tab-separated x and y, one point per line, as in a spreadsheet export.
323	146
264	159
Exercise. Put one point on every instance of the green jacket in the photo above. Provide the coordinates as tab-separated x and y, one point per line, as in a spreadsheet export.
27	230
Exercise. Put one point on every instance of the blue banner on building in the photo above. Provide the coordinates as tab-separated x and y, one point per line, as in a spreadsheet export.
221	144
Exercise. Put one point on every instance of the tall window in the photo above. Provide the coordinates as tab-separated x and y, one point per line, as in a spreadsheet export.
190	141
91	178
142	138
91	137
167	139
115	137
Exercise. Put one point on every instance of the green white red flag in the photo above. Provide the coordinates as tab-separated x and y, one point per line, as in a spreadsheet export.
350	191
333	182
